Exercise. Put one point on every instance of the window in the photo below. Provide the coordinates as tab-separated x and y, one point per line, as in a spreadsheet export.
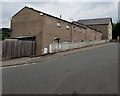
73	28
80	30
41	14
67	27
92	30
58	24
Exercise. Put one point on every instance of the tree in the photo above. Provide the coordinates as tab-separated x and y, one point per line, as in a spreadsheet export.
116	30
4	33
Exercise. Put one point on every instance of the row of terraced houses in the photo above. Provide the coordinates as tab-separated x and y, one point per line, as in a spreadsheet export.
45	29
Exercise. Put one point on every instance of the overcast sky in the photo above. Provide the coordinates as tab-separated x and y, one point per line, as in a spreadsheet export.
74	10
119	11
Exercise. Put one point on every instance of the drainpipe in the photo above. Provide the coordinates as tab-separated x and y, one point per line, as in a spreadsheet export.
11	27
86	34
95	34
71	33
41	32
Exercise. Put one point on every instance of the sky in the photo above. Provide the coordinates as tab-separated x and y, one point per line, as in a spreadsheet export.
75	10
119	11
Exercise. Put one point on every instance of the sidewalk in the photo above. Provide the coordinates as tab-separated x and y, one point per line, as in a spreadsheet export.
29	60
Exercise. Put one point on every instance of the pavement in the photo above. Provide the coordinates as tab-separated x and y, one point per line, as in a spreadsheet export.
29	60
88	72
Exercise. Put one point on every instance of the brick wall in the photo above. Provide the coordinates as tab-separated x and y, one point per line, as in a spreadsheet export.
46	28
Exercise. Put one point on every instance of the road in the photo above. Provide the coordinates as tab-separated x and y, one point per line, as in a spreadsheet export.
89	72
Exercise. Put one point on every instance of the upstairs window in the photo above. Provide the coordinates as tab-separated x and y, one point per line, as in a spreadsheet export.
67	27
73	28
58	24
92	30
80	30
41	14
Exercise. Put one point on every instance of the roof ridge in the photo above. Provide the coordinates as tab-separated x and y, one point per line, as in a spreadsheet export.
95	19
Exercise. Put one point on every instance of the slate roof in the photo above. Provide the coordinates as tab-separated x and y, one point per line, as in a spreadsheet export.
74	23
86	26
49	16
97	21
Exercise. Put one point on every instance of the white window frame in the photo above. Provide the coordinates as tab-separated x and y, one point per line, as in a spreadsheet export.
67	27
80	30
58	24
74	28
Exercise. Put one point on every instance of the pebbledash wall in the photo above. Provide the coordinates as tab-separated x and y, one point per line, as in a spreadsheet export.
49	29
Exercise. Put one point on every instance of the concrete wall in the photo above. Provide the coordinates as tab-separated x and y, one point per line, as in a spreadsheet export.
57	47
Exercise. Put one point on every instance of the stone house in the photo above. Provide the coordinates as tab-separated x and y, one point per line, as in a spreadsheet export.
102	24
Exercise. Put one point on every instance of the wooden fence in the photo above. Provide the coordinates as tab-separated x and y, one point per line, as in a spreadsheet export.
14	49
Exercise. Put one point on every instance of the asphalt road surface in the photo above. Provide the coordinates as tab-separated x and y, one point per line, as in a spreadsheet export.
89	72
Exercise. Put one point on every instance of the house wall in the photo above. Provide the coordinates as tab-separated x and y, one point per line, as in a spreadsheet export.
90	35
78	34
110	31
27	23
104	29
98	36
51	31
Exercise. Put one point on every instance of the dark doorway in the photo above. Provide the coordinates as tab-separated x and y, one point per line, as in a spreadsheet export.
57	39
